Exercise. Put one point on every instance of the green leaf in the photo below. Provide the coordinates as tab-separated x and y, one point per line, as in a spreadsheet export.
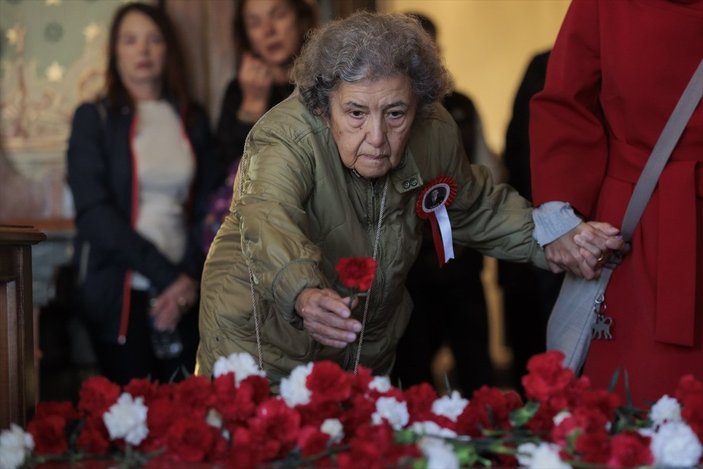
466	455
521	416
405	437
614	380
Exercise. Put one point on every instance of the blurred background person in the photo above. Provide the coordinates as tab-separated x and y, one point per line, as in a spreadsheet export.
449	302
268	35
139	166
528	294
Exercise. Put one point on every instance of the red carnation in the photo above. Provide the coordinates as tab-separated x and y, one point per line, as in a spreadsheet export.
630	450
49	435
329	382
489	408
359	413
277	423
688	385
315	413
692	413
249	451
312	441
582	420
93	437
159	418
361	380
190	439
142	387
547	376
374	446
62	409
690	396
193	396
593	447
419	399
97	395
357	272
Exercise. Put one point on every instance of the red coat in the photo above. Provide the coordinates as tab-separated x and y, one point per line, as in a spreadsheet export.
615	74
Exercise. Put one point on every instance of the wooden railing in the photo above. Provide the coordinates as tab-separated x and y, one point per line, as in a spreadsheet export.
18	367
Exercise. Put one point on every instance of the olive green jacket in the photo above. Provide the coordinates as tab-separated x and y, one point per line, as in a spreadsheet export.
297	210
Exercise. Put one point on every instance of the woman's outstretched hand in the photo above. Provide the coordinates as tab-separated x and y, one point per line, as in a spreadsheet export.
327	316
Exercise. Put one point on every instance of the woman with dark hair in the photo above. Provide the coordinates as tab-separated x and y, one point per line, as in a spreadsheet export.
344	168
138	172
268	35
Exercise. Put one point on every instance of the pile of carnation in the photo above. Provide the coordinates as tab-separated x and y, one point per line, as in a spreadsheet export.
327	417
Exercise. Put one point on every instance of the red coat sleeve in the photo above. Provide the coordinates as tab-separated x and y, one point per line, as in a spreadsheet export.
567	133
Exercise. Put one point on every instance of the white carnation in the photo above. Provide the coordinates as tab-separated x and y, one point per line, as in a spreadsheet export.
430	428
675	444
540	456
666	409
450	406
214	418
334	428
294	388
394	411
241	364
15	445
127	419
439	453
560	417
380	383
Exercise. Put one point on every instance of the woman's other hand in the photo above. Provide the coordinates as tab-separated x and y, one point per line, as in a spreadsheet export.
584	250
327	317
255	78
173	302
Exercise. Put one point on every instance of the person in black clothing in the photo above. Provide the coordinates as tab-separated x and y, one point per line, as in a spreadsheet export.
528	294
268	35
449	302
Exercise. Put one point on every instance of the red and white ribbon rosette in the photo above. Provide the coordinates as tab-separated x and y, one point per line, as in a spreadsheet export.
432	205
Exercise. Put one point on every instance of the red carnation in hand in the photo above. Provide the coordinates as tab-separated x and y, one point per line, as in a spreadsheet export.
357	272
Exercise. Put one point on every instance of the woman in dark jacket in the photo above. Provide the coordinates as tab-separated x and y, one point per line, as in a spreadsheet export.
138	162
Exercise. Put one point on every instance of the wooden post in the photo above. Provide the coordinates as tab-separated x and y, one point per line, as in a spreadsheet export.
18	368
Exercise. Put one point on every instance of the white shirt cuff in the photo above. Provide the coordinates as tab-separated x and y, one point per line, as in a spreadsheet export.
553	220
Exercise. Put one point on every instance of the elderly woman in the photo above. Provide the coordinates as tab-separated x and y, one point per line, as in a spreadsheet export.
336	170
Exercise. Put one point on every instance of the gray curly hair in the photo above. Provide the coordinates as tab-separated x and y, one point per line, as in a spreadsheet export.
369	46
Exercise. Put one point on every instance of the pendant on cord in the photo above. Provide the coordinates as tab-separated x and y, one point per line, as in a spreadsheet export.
602	324
431	205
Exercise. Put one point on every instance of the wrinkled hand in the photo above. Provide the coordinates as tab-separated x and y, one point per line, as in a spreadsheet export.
584	250
255	79
173	302
327	317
